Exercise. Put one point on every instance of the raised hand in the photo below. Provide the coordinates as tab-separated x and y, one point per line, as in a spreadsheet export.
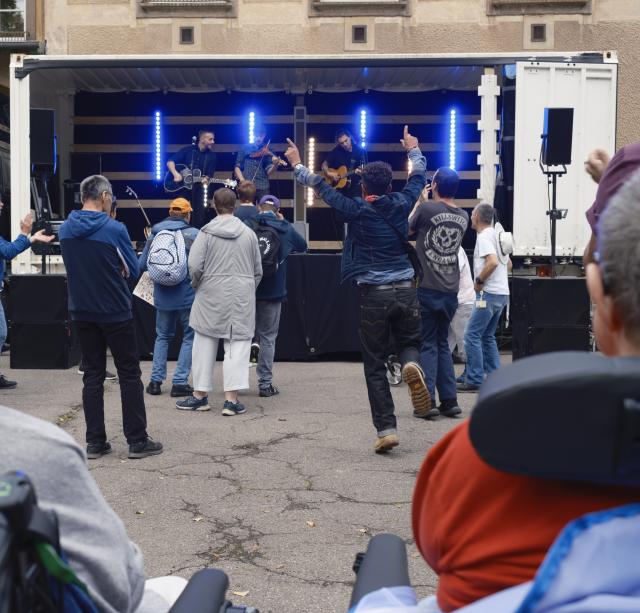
408	140
26	223
595	163
292	154
41	237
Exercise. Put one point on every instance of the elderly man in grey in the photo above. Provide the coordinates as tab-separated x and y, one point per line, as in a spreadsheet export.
225	269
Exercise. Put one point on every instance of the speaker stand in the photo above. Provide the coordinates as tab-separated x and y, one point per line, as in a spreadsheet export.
555	214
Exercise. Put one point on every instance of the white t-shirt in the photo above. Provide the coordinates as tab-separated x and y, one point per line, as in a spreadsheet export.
487	244
466	293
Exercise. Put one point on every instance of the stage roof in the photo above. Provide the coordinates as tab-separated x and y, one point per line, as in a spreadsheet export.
296	74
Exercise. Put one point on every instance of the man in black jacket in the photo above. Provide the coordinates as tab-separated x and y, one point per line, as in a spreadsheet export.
375	257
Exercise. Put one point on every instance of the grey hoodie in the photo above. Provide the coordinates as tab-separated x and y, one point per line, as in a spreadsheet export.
225	269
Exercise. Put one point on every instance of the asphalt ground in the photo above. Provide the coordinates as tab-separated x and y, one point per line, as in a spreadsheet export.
280	498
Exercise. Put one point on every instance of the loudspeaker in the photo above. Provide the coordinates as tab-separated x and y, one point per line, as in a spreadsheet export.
544	301
45	346
557	137
42	336
549	314
43	138
545	339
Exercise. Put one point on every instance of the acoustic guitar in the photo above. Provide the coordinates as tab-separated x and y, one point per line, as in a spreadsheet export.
190	177
344	176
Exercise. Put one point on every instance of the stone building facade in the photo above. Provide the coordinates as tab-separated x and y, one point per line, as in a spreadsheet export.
335	26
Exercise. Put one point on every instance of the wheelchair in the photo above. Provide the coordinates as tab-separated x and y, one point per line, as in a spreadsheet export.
36	578
566	416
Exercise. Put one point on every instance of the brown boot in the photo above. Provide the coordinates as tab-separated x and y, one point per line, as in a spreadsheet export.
413	376
385	443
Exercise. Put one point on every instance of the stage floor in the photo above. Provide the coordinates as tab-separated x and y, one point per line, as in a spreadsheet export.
239	493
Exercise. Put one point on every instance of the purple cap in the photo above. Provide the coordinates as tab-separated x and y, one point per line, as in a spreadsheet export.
270	199
622	165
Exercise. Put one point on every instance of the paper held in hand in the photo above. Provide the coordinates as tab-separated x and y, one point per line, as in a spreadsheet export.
144	288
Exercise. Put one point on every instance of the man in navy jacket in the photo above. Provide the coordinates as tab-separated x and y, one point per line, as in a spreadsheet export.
272	291
173	303
99	259
375	257
8	251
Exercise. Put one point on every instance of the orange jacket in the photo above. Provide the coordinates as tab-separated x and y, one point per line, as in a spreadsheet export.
483	530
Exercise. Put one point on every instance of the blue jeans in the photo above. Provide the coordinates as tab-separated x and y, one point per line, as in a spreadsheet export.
165	331
480	338
3	327
437	310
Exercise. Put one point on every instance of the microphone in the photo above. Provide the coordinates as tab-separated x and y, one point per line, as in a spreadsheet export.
194	141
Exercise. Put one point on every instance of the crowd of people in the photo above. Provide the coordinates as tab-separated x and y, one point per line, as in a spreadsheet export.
223	293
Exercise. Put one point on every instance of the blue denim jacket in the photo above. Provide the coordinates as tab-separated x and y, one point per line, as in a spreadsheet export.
371	245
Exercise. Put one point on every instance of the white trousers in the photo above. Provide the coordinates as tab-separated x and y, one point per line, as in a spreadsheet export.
160	594
235	368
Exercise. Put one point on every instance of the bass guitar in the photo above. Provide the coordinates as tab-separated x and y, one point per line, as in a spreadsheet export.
190	177
343	178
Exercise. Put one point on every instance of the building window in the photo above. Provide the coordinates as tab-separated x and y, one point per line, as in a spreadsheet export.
538	7
349	8
538	32
186	36
12	19
359	34
178	8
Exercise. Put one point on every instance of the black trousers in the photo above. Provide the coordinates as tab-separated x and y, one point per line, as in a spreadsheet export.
120	338
385	314
198	216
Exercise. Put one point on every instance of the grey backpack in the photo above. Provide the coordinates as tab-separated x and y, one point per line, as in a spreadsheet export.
167	260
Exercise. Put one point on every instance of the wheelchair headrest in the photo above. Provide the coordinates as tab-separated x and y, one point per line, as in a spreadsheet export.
569	415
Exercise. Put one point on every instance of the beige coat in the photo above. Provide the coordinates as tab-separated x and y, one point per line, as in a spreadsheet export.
225	269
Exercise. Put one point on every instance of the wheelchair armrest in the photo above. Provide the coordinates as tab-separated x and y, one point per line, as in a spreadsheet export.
384	565
205	593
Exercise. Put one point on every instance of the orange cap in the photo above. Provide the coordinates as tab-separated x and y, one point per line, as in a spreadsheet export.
180	204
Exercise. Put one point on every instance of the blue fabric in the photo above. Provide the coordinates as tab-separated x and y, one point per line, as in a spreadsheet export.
244	212
561	548
437	310
382	277
371	244
3	327
171	297
275	288
99	259
204	160
254	169
9	250
165	331
480	338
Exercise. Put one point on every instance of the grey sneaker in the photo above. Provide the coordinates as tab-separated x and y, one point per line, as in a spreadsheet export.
97	450
193	404
233	408
265	392
144	449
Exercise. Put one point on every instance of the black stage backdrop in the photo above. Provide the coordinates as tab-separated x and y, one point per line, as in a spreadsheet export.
320	316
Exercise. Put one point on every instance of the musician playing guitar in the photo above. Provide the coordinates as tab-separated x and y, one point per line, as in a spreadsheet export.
256	162
197	156
348	156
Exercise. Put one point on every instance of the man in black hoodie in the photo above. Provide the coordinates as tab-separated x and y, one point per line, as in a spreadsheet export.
99	259
272	291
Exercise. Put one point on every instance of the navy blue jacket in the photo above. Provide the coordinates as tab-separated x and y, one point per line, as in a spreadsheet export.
99	259
371	244
8	251
275	288
171	297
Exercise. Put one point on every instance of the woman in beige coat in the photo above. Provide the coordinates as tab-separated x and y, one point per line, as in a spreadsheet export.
225	269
